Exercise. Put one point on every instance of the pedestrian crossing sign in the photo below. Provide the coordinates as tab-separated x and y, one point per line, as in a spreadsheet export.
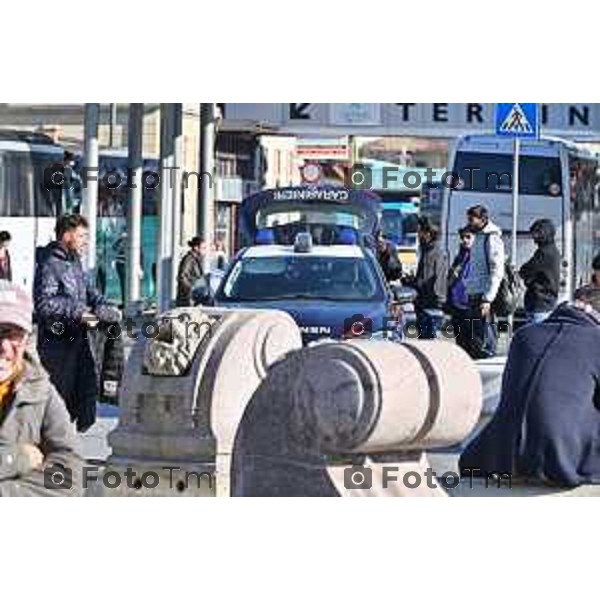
517	119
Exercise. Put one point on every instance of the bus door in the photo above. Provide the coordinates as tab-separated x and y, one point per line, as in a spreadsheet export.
583	207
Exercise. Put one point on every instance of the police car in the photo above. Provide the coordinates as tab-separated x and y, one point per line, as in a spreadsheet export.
331	291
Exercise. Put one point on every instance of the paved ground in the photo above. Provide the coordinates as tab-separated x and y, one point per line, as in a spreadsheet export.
94	441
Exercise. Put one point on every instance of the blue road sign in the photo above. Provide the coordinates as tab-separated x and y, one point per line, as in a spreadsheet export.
518	119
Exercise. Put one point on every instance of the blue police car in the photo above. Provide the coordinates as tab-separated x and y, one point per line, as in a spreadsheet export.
309	252
331	291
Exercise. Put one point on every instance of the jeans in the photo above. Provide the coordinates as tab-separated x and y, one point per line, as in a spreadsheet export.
537	317
482	340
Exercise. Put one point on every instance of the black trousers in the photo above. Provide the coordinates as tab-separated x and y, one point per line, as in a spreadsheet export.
482	340
461	326
72	370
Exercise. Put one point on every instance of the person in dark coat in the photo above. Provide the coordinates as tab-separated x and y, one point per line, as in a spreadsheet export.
547	425
387	256
65	305
541	273
431	281
5	267
190	271
458	300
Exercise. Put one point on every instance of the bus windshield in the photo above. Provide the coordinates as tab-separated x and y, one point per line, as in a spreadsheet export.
492	173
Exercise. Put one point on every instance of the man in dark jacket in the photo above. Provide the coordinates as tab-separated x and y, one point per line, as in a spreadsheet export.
65	305
387	256
541	273
547	425
39	454
190	271
430	281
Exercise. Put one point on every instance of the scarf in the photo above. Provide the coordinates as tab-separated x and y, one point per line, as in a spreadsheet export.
7	389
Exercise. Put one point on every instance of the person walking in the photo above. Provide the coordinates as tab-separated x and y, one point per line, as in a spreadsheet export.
66	305
5	266
190	271
483	281
541	273
387	256
458	301
430	281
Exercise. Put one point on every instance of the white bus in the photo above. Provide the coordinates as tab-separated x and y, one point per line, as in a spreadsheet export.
558	180
28	210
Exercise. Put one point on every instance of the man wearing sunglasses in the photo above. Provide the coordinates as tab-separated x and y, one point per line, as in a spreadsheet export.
38	443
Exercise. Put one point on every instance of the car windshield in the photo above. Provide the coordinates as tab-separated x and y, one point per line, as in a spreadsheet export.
302	277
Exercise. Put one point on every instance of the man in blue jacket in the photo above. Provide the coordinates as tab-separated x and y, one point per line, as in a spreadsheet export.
547	425
65	305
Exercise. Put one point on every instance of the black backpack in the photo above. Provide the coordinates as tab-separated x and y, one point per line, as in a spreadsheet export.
507	299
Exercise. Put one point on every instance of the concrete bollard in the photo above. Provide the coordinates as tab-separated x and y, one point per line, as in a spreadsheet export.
339	418
183	395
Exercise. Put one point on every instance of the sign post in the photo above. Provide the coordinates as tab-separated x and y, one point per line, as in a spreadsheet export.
515	203
518	120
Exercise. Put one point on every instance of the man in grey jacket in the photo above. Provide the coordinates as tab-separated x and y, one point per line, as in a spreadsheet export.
38	443
483	283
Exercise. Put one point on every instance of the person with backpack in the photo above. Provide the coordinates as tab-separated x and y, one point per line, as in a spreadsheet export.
483	283
458	301
541	273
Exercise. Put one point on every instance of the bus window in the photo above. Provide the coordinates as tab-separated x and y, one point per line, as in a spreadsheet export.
492	173
48	202
16	199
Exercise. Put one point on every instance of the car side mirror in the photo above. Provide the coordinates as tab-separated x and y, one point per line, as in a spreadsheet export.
403	294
